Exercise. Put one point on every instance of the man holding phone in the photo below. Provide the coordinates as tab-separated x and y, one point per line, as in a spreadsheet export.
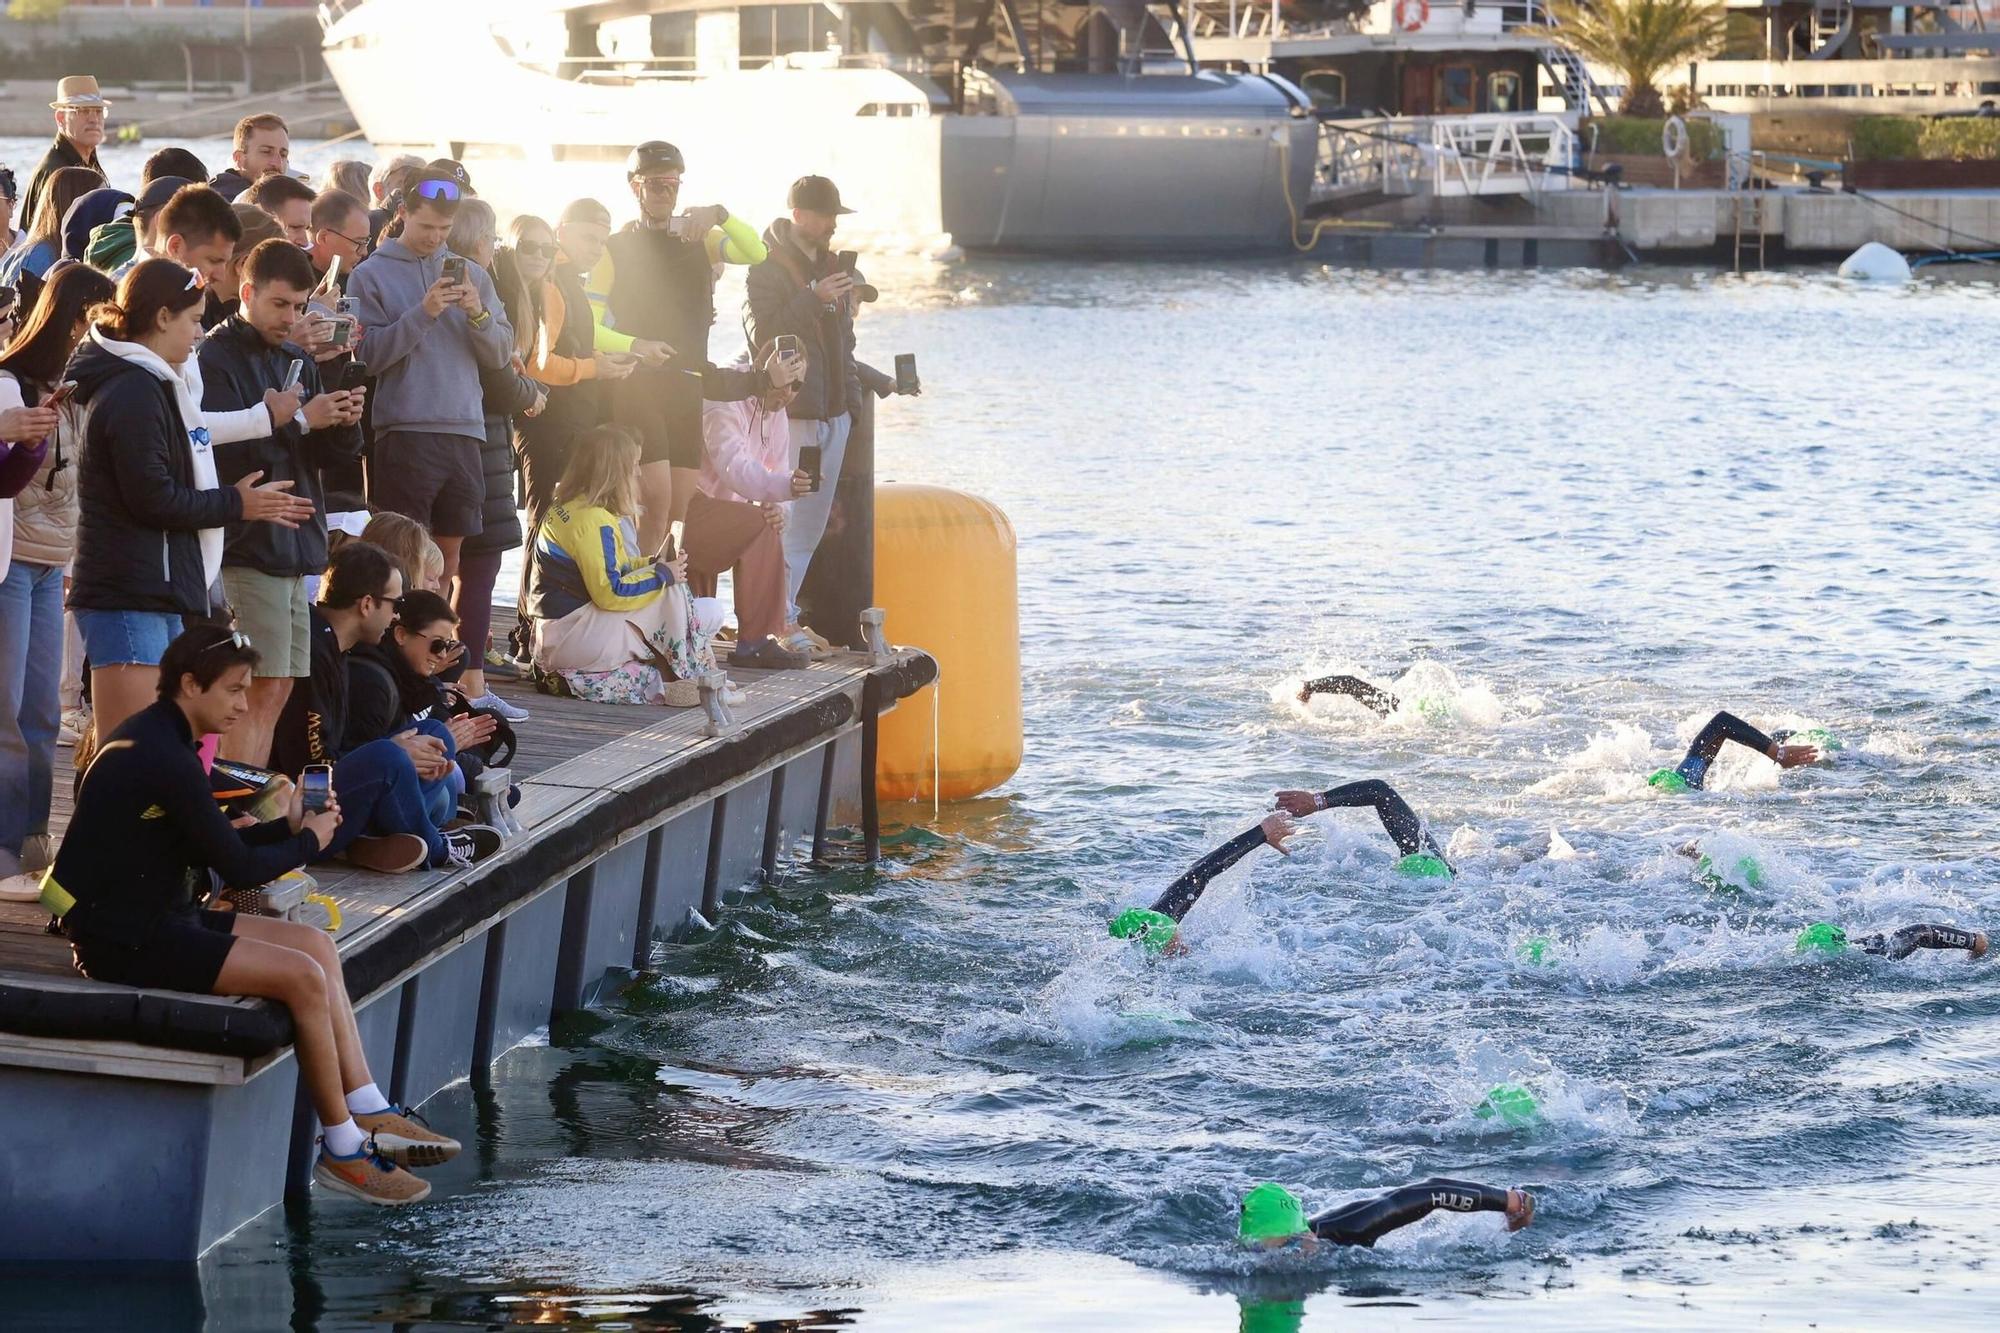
263	572
805	290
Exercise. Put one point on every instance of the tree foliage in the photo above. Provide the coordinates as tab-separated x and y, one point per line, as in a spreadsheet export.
1639	39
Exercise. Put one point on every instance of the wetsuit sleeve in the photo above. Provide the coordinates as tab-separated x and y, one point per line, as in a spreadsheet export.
1185	892
1357	689
213	843
1912	938
1397	817
734	242
1722	727
1368	1220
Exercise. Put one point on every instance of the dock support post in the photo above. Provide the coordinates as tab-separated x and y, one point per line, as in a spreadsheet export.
489	1003
575	940
825	802
871	808
406	1022
774	824
649	898
711	880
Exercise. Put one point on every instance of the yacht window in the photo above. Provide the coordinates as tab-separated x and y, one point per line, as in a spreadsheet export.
1326	87
1455	85
1503	92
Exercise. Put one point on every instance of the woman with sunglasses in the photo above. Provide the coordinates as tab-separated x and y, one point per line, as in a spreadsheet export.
149	546
37	542
393	687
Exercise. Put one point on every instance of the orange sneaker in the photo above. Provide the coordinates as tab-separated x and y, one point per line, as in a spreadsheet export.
369	1177
405	1138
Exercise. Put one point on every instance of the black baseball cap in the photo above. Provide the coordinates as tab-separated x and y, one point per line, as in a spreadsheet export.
154	197
817	194
452	167
654	155
587	211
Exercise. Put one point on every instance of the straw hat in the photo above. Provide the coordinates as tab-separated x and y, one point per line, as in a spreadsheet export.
75	91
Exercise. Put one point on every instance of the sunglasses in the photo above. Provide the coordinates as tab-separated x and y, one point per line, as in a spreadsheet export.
439	191
535	249
229	637
444	647
659	182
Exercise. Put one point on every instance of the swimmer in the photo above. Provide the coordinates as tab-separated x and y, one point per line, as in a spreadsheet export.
1420	854
1271	1216
1691	771
1371	697
1157	928
1900	944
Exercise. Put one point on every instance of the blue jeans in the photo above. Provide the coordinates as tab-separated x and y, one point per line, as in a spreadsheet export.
441	794
806	524
31	648
379	793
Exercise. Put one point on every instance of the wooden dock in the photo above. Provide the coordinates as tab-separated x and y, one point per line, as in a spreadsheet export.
183	1114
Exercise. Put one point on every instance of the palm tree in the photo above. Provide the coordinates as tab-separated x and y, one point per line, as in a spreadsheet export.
1638	38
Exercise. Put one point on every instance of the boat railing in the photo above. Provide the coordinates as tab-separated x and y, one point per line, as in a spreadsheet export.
646	69
1447	156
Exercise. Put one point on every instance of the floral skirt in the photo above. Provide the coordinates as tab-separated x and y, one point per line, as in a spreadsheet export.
618	656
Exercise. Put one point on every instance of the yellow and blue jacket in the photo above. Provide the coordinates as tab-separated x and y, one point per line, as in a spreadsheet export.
588	556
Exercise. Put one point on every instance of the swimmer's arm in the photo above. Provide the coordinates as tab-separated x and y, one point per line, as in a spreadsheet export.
1367	1221
1355	688
1398	819
1926	936
1181	895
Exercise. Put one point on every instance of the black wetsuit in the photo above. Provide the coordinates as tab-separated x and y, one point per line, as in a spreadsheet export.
1181	895
1366	1221
1912	938
1722	727
1357	689
1397	817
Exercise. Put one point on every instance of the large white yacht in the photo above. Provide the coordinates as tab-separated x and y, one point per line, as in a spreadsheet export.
1028	125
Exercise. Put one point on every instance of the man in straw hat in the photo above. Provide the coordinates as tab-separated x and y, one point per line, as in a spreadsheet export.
80	110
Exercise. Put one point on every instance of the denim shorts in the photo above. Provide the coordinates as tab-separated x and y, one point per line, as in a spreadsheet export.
126	638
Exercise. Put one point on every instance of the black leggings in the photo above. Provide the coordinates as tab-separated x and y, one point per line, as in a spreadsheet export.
1397	817
1912	938
1357	689
1722	727
1368	1220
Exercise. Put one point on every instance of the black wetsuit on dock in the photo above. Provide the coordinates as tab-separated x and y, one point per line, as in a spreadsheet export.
1368	696
1366	1221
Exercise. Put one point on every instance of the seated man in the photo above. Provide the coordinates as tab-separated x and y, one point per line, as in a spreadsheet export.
381	778
1692	771
146	831
736	517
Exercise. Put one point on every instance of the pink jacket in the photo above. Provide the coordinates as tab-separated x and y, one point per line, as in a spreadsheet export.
746	452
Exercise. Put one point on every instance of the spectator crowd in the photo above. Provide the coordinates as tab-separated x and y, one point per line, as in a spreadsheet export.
265	445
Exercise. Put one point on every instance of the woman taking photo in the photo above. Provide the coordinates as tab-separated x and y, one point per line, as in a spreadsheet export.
37	541
149	544
31	258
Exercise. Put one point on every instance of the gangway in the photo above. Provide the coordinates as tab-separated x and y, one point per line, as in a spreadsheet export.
1448	157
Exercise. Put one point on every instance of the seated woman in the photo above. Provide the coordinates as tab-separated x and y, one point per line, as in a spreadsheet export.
600	605
393	687
146	829
1420	854
1692	771
1271	1216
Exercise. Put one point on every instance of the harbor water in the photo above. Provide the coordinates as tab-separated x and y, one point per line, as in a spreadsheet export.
1567	515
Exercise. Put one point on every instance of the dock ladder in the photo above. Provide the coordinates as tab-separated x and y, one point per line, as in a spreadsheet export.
1749	209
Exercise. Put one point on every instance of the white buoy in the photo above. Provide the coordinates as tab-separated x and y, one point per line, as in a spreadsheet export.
1876	262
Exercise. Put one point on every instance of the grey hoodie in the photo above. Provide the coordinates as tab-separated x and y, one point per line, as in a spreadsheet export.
426	370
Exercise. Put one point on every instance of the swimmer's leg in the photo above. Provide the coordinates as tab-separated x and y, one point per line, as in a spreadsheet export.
1371	697
1397	817
1368	1220
1708	743
1912	938
1183	893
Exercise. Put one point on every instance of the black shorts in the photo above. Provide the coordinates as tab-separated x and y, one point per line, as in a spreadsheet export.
183	951
664	407
438	480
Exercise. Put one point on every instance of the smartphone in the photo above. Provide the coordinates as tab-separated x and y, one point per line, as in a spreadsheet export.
847	259
809	463
60	394
316	788
454	270
786	344
344	306
292	375
678	226
906	372
340	332
354	374
331	282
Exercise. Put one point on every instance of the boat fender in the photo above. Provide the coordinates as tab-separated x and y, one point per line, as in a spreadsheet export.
1875	262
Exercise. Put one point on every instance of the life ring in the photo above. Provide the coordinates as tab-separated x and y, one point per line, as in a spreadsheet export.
1412	14
1674	137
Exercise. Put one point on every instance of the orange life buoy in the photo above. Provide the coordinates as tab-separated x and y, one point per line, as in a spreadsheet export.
1412	14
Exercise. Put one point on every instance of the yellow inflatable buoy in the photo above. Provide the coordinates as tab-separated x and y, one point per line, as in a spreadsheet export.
944	576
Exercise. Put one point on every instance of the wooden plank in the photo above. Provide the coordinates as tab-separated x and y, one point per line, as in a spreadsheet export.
121	1059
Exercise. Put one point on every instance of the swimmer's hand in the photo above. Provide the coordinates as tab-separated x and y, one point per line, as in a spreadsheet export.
1520	1209
1793	756
1298	804
1306	693
1278	827
1978	949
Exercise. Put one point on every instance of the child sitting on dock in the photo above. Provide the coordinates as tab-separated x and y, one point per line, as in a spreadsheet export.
146	832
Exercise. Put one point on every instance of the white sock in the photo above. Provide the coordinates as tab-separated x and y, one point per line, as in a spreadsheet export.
367	1100
344	1139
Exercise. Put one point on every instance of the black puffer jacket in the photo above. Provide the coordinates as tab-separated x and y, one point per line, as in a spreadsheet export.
141	508
780	295
508	392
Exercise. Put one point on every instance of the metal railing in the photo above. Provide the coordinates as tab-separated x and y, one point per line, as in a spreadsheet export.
1447	156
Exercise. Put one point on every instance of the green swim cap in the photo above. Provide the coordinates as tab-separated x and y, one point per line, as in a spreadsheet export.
1270	1212
1537	950
1824	937
1747	870
1434	709
1824	739
1511	1102
1666	779
1271	1317
1153	930
1424	866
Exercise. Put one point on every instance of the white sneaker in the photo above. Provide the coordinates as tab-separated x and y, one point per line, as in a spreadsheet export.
494	703
38	853
75	722
20	888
